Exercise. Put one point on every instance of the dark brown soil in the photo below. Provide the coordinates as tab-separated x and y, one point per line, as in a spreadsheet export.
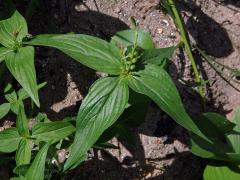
160	152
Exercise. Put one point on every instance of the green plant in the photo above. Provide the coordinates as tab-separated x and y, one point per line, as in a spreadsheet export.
224	149
131	62
17	58
135	73
223	134
28	140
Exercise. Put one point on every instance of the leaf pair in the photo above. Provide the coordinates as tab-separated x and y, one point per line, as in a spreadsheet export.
18	59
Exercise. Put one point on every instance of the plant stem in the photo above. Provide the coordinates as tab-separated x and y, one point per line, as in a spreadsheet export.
185	41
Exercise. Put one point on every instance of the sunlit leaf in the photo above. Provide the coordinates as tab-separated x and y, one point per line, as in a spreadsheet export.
21	65
52	131
154	82
13	30
103	105
37	168
127	38
9	139
23	154
90	51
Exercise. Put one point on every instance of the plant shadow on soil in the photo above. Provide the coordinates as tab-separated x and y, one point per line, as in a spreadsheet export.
55	68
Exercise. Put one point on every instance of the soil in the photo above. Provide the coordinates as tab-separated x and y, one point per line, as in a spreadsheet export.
160	151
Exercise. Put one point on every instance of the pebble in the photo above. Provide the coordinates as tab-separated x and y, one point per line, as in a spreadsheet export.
165	22
159	30
117	10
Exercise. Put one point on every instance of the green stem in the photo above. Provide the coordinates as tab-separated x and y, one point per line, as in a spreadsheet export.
185	41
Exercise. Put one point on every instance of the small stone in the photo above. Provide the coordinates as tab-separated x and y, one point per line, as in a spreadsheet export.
165	22
117	10
159	30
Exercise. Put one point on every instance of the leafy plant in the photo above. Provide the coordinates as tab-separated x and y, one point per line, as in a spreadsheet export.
135	73
19	59
132	62
224	151
26	141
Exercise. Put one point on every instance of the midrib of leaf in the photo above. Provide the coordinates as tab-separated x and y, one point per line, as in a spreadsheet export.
55	132
90	47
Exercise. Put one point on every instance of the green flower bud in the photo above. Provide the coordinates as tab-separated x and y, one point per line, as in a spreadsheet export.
134	60
129	62
132	67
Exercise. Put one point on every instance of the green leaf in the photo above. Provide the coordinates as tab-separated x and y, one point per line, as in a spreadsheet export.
21	65
23	155
9	139
13	30
52	131
157	56
221	172
22	122
127	38
214	126
37	168
21	170
220	123
214	150
154	82
4	109
234	137
3	52
90	51
22	94
103	105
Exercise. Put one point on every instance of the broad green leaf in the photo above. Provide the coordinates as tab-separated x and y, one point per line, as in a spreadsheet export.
4	109
23	154
221	124
211	150
52	131
221	172
22	122
37	168
127	38
21	65
214	126
157	56
9	139
13	30
154	82
103	105
90	51
234	137
3	52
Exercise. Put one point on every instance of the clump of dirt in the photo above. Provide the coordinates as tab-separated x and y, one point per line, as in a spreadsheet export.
161	149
